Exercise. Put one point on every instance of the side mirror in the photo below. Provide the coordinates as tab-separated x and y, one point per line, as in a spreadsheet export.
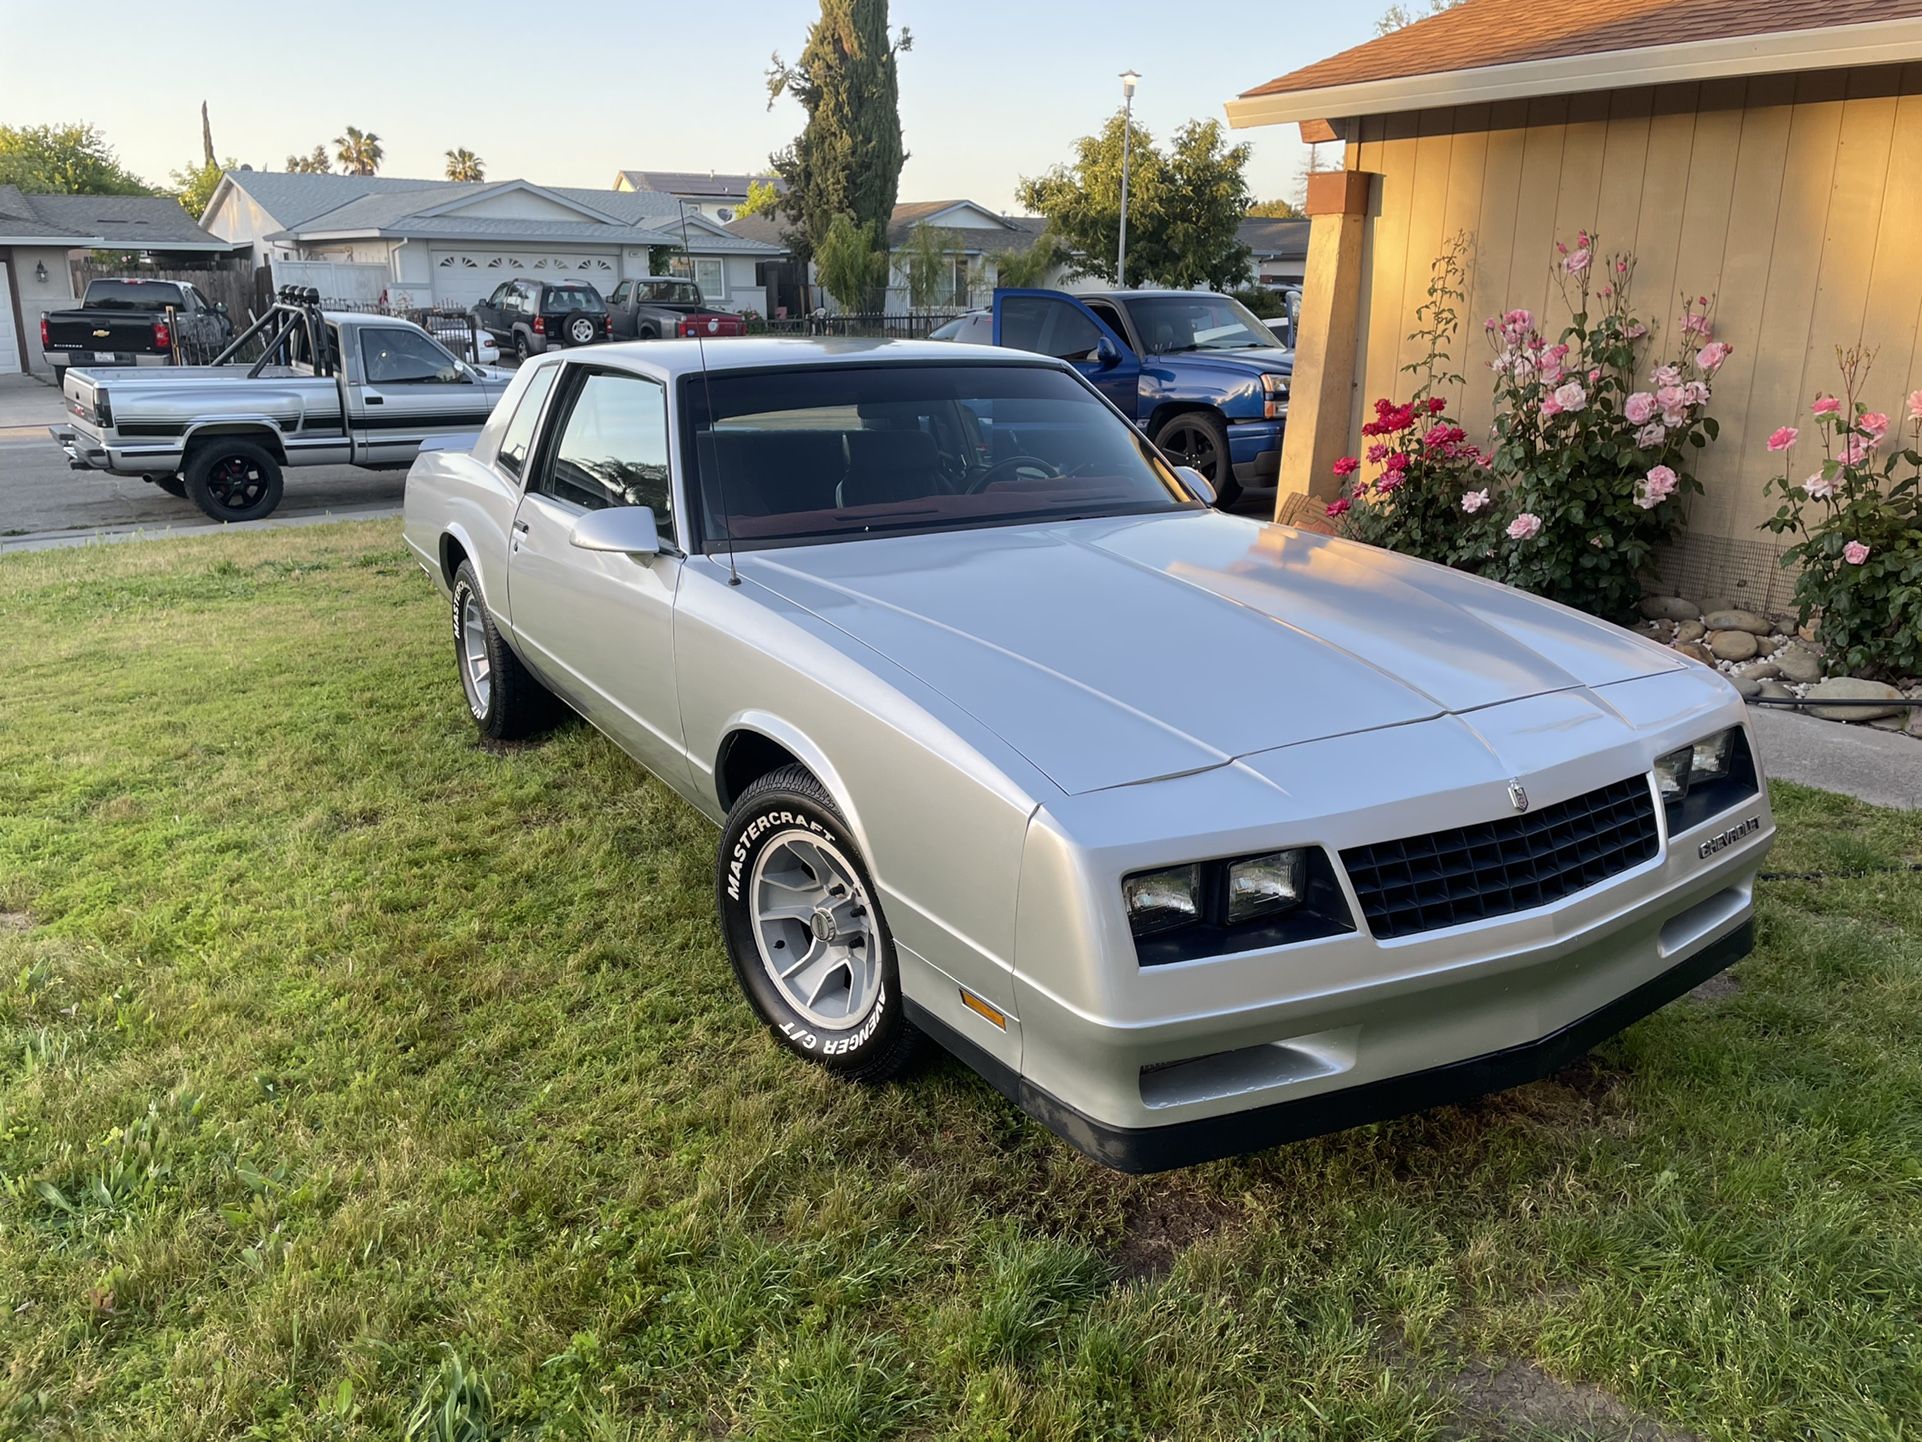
1107	354
1196	482
622	530
220	306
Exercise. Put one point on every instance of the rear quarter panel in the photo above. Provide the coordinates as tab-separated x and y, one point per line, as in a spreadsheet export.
454	500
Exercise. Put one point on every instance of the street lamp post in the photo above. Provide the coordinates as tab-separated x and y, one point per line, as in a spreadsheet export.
1128	79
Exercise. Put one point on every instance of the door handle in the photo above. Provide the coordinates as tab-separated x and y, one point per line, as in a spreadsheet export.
520	528
376	400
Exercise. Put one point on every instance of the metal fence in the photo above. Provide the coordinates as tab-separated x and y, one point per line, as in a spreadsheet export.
865	325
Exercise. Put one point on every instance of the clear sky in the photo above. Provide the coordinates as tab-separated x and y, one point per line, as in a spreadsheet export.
568	94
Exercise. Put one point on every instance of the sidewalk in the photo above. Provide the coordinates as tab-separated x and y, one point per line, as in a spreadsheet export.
1871	765
28	406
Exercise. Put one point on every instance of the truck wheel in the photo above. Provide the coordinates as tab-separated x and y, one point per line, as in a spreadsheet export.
503	697
233	480
646	332
521	351
172	485
805	933
1199	439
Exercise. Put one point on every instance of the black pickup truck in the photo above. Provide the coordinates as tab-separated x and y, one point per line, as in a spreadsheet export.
134	321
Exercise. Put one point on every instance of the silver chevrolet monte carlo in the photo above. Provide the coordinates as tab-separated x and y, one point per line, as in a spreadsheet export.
1191	834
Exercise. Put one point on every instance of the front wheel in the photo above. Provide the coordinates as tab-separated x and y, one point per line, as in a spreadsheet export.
805	933
1199	439
233	480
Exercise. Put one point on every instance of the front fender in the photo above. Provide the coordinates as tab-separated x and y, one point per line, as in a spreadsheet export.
809	753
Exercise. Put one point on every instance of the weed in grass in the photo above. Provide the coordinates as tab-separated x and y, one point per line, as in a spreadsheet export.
387	1081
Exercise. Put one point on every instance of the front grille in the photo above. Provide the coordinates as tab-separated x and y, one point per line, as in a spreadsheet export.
1470	873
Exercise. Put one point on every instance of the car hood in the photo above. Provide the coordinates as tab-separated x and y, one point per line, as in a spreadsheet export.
1115	651
1229	362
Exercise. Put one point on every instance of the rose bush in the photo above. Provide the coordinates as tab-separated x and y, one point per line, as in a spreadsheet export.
1858	528
1591	441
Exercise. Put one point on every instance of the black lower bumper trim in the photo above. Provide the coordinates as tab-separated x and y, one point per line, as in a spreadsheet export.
1181	1144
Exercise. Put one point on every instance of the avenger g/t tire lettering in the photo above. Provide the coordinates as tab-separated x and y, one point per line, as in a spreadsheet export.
805	932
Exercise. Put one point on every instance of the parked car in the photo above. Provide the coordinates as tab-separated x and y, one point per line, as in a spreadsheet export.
134	321
1204	378
529	316
1286	326
330	388
1193	834
664	305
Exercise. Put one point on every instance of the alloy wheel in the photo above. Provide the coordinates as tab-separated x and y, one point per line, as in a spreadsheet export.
815	930
476	670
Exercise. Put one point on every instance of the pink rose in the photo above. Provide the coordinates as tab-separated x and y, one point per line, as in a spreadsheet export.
1571	397
1524	527
1552	373
1674	403
1695	323
1390	481
1639	408
1782	437
1915	405
1340	507
1819	487
1551	406
1860	449
1377	453
1667	376
1577	261
1473	501
1652	434
1636	330
1826	406
1655	488
1855	553
1696	393
1347	466
1594	375
1711	356
1397	462
1875	423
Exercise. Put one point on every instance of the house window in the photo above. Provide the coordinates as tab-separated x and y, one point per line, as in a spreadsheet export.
708	276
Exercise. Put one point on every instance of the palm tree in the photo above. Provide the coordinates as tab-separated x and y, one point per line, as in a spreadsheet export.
465	165
358	154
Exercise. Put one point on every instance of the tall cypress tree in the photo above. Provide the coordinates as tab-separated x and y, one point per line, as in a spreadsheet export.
847	158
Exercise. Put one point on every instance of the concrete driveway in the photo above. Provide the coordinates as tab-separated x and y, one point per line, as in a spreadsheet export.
43	502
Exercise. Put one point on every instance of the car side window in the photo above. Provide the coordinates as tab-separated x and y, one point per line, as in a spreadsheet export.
612	447
1048	326
519	435
392	356
620	293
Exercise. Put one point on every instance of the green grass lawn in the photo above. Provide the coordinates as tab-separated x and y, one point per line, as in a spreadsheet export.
355	1078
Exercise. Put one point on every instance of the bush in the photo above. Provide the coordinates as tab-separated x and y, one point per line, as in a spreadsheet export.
1592	471
1858	555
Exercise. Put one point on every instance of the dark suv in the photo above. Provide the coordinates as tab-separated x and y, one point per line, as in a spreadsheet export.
528	316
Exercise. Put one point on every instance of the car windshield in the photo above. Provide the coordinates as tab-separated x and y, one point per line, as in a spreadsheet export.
131	295
840	452
1169	323
670	292
572	298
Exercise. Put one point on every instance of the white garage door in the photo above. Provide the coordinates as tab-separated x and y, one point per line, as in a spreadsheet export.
9	337
463	275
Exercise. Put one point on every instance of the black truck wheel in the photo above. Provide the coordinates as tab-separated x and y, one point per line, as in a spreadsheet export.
1199	439
232	480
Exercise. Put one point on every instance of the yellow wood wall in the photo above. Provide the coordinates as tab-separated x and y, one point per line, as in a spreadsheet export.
1796	201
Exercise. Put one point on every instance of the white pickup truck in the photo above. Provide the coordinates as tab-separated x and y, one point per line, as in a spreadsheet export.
326	388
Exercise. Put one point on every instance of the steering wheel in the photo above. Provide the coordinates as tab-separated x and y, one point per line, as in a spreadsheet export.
1048	470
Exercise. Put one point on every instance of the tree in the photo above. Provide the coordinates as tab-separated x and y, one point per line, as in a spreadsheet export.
1031	266
206	137
1276	210
853	263
847	159
1184	207
465	165
195	185
358	153
1400	17
64	160
316	163
762	198
925	259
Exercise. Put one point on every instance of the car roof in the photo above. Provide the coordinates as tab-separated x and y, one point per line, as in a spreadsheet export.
668	359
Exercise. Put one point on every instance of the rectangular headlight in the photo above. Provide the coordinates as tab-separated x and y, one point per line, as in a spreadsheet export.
1158	900
1262	885
1709	760
1672	774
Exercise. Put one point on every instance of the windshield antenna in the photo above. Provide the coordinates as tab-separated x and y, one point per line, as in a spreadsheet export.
707	394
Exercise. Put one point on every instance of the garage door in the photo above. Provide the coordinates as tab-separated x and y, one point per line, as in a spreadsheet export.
463	275
9	337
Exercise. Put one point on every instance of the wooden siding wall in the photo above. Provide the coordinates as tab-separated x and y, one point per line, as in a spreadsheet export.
1796	201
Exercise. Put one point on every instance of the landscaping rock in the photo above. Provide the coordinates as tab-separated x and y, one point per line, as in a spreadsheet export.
1891	723
1760	671
1769	645
1799	663
1731	645
1656	630
1670	608
1690	631
1775	691
1695	651
1853	688
1749	686
1730	620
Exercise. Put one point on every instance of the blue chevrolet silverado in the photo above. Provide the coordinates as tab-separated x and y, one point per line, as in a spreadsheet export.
1206	380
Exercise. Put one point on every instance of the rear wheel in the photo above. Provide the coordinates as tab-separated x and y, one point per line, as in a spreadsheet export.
521	351
580	330
503	697
805	932
1199	439
233	480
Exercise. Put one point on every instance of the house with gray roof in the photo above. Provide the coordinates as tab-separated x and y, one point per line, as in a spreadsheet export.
40	235
1278	249
715	194
451	243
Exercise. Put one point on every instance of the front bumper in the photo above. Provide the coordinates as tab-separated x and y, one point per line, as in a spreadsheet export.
1254	451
